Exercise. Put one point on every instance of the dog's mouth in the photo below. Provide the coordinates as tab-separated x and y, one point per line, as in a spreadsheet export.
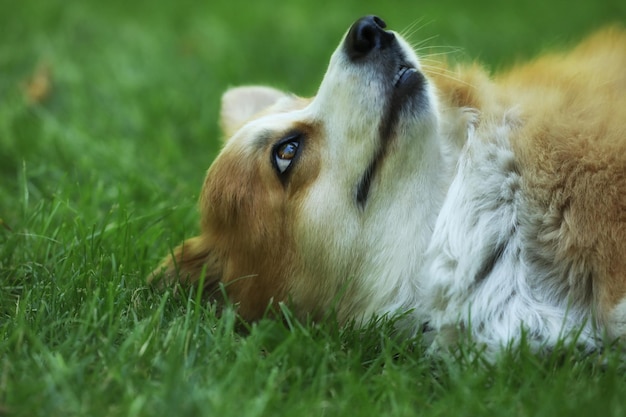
405	81
404	73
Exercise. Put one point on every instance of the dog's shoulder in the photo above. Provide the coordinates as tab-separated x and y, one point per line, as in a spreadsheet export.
534	223
571	154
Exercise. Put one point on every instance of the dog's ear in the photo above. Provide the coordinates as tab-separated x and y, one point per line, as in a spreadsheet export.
189	264
241	104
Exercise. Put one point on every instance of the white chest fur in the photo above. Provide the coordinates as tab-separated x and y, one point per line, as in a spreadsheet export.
478	276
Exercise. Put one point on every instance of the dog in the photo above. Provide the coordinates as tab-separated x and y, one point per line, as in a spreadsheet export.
474	206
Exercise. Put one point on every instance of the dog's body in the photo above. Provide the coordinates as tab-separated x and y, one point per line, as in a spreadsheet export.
494	206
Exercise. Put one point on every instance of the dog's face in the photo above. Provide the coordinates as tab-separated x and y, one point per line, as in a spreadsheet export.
326	202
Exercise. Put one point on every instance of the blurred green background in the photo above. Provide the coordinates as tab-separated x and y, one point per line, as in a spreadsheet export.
108	121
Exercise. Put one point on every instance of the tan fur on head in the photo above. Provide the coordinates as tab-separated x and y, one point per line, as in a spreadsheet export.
236	212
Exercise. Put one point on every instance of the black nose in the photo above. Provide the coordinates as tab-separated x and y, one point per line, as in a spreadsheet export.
367	34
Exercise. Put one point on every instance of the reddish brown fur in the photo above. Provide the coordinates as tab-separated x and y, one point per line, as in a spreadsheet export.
573	158
243	208
571	150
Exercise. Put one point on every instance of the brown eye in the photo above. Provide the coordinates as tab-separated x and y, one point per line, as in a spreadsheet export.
287	150
284	154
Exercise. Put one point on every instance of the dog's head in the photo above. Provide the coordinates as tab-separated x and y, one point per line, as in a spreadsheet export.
327	202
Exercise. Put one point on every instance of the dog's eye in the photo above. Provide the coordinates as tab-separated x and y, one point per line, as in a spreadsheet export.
284	154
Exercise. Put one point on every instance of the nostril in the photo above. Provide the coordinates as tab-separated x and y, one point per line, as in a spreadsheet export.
380	22
365	35
365	38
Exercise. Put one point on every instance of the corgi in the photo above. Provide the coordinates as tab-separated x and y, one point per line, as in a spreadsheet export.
472	205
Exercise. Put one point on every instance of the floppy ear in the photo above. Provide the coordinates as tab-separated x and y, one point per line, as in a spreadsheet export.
240	104
188	263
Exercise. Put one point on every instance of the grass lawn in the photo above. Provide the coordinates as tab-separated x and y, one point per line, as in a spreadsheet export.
108	116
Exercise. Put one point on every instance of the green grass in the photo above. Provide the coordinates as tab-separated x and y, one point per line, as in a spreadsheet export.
99	180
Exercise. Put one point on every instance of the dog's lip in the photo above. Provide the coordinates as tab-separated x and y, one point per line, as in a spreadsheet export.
405	71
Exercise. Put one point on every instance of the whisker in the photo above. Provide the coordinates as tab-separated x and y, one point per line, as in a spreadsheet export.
433	56
431	52
434	51
451	75
413	28
422	43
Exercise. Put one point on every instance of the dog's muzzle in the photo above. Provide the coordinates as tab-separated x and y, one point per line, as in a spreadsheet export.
367	37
